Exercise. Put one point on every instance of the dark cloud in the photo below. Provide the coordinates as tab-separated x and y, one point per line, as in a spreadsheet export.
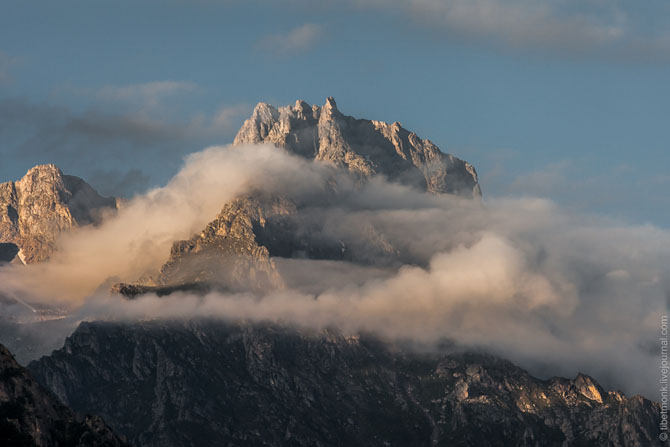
120	151
39	130
119	183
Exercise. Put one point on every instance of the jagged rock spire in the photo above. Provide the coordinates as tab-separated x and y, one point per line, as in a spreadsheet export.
45	202
364	147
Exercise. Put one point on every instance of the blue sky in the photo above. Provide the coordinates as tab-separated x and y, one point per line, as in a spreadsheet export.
563	99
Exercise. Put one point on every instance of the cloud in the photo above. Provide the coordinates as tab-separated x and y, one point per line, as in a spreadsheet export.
231	117
616	190
115	182
296	40
138	239
120	136
521	277
148	96
5	63
46	133
607	27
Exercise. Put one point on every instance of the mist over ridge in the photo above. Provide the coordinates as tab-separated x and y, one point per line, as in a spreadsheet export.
200	246
522	277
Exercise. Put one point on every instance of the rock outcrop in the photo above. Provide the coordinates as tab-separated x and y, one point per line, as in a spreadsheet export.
227	250
363	146
226	255
9	253
32	416
234	251
45	202
211	383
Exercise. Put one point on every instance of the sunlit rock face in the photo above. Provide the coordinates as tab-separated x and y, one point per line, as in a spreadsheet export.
228	249
226	255
30	415
45	202
363	146
210	383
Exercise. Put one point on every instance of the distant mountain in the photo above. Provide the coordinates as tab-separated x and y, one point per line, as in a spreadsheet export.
363	146
37	208
206	383
32	416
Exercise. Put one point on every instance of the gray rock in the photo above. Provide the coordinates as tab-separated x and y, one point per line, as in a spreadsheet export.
45	202
32	416
364	147
225	255
204	382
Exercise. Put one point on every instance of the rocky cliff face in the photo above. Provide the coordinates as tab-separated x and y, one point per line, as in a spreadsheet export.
209	383
226	255
227	250
235	251
45	202
364	147
32	416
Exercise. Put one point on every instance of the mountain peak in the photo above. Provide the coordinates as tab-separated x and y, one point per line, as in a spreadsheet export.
43	203
264	111
42	173
330	105
302	105
45	168
362	146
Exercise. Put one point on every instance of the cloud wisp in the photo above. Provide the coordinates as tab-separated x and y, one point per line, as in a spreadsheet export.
5	63
147	96
521	277
296	40
102	142
608	28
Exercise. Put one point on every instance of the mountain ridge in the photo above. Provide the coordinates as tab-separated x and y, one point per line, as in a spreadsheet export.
43	203
207	382
364	147
30	415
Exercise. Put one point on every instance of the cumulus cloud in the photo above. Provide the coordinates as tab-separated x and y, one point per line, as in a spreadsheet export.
296	40
523	278
137	239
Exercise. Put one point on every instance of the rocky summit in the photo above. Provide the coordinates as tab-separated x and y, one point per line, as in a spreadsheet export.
207	383
234	252
227	254
30	415
37	208
365	147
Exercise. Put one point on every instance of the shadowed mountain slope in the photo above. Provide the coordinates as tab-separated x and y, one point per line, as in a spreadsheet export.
204	383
